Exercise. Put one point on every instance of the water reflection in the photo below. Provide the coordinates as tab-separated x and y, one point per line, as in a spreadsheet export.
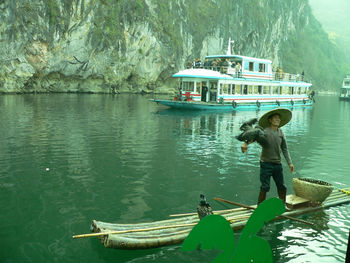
204	135
320	243
120	159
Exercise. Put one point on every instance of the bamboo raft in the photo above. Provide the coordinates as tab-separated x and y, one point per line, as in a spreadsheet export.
174	231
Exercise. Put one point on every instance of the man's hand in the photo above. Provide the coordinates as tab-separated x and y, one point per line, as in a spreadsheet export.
244	147
291	168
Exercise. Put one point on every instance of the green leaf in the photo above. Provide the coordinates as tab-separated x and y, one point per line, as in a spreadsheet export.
215	232
212	232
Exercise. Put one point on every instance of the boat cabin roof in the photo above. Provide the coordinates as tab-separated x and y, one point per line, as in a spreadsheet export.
239	57
201	73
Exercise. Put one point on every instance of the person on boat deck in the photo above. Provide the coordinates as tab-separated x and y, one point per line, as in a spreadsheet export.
238	69
279	72
194	63
206	63
214	64
273	142
220	64
198	63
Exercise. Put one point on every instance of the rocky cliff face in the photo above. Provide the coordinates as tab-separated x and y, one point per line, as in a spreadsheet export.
108	46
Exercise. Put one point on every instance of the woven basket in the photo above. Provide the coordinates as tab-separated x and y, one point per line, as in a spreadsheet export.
311	189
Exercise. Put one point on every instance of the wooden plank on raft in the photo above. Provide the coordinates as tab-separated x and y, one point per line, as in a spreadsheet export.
293	202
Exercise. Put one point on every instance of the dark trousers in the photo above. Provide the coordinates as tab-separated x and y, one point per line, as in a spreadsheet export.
274	170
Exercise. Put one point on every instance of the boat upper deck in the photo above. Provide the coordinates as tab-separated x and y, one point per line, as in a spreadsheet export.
346	82
223	74
237	66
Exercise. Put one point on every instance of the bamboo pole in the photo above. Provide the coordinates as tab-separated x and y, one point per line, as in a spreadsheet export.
230	220
131	230
253	208
332	195
237	219
218	212
184	214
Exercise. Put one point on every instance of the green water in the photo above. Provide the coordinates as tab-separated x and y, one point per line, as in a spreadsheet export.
66	159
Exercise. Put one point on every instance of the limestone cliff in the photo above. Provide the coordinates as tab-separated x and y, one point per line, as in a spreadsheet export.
136	45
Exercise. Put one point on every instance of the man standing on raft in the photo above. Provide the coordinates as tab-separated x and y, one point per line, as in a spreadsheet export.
273	142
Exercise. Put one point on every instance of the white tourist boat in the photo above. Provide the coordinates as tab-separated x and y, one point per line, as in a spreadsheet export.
345	89
235	82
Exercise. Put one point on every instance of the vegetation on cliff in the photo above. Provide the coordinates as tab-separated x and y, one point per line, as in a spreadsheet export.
311	51
128	44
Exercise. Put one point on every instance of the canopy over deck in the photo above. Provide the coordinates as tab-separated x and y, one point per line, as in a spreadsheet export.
239	57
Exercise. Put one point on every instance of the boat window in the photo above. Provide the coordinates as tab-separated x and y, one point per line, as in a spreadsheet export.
251	66
224	89
237	89
198	86
250	89
256	67
188	86
213	86
246	65
259	89
256	91
280	90
302	90
266	89
275	90
184	85
262	67
233	88
245	89
283	90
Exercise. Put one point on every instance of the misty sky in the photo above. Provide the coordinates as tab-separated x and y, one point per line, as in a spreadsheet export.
334	17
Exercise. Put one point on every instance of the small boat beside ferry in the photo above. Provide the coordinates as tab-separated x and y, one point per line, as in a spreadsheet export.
345	89
235	82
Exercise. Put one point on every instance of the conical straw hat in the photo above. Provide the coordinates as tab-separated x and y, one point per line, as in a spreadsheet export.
285	115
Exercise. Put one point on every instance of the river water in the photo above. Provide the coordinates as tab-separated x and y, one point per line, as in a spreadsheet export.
66	159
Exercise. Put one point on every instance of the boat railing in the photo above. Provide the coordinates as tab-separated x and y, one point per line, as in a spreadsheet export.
281	76
288	76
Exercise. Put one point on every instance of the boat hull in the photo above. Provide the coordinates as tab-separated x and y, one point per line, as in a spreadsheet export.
344	98
174	231
201	106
